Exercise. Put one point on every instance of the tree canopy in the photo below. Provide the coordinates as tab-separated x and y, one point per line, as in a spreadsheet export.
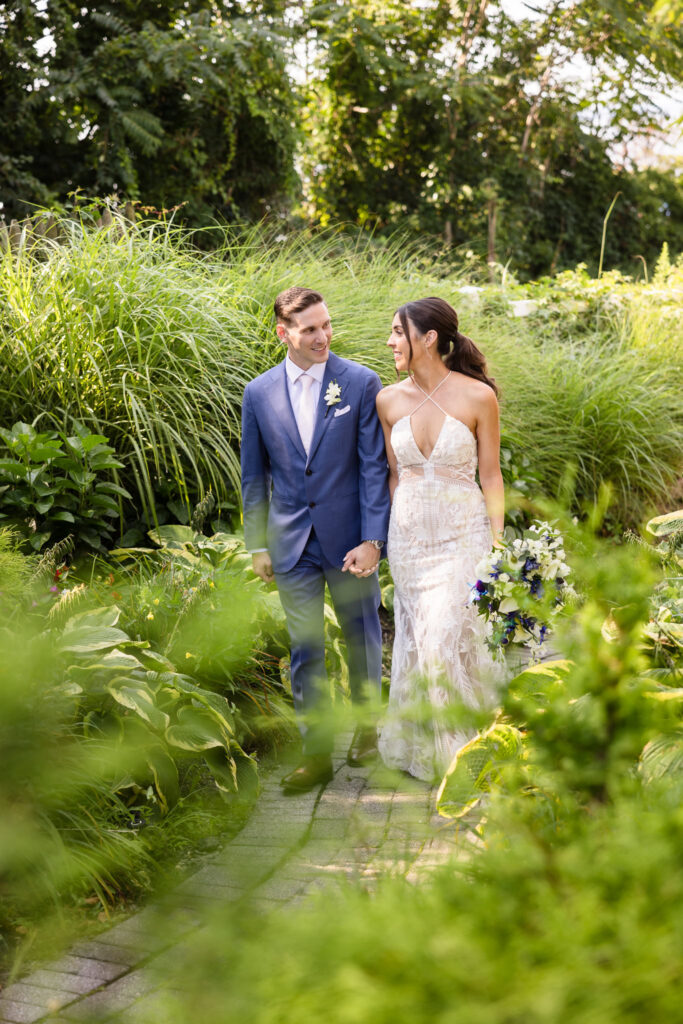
447	117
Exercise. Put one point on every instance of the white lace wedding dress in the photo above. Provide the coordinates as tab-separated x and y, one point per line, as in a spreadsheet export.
439	530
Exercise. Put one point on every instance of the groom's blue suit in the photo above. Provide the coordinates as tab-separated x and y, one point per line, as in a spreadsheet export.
308	511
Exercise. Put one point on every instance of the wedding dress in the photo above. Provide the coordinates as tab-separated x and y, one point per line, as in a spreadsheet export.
439	530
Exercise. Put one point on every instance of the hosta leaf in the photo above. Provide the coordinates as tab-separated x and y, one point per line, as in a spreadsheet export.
662	526
223	768
165	773
112	661
155	662
213	702
132	694
476	767
540	681
84	639
107	616
666	694
174	536
197	729
662	756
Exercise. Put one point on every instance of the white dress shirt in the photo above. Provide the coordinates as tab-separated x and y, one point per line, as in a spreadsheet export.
295	388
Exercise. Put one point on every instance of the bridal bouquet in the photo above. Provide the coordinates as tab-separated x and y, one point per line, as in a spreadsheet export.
521	583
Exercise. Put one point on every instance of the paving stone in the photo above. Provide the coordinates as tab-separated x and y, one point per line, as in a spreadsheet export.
345	783
86	968
126	934
217	893
216	874
20	1013
320	851
250	865
23	992
336	804
329	828
279	888
289	834
94	950
157	1008
60	981
117	996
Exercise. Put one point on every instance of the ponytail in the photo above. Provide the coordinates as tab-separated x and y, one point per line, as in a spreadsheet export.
458	352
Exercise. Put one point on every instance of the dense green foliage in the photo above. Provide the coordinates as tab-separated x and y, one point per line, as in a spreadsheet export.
569	908
161	102
149	344
49	487
449	118
127	698
458	120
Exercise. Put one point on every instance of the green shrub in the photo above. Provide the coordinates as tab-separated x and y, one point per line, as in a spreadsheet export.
49	486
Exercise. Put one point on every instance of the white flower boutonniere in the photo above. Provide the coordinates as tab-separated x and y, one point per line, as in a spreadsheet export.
332	395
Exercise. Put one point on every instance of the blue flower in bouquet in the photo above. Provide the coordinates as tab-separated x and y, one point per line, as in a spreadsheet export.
517	575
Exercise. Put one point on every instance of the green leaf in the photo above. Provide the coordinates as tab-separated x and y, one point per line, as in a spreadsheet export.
165	773
662	756
174	536
62	517
85	639
37	540
197	729
476	767
107	616
662	526
133	694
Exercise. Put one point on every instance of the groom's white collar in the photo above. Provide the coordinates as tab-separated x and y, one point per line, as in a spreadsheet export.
294	372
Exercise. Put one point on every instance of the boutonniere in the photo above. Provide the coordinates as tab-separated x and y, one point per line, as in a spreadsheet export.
332	395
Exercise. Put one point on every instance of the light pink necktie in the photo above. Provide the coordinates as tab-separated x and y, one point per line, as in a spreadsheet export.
306	419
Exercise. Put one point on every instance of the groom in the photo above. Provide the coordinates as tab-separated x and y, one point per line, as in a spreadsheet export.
316	510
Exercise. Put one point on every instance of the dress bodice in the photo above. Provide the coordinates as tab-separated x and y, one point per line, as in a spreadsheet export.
454	455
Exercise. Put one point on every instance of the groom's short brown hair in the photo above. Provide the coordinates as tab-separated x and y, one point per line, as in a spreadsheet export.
294	300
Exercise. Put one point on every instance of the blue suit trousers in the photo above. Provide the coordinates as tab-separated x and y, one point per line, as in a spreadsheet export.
356	602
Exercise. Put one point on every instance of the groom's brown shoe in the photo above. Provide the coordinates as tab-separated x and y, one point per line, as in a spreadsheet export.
363	747
313	772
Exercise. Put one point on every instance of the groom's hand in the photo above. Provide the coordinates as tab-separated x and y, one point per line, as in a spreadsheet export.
362	560
262	566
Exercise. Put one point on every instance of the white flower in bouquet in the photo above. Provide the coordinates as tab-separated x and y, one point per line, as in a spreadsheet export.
512	578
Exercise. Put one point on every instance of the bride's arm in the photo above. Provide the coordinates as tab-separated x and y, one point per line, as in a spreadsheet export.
382	403
490	476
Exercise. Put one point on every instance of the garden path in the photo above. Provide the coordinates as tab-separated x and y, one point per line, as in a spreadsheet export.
365	823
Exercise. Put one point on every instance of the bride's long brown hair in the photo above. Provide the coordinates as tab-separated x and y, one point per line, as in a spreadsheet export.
458	352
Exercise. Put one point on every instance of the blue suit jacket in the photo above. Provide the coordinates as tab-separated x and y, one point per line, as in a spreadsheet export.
340	489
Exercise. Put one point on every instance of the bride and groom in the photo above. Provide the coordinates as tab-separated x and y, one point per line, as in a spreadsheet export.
335	467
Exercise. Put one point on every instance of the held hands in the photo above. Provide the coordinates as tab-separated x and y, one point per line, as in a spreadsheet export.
362	560
262	566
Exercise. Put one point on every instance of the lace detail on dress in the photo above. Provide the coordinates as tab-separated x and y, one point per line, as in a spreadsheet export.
439	530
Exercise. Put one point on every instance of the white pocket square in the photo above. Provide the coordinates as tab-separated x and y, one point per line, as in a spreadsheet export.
340	412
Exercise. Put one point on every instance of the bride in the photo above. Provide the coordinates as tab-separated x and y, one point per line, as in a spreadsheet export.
438	424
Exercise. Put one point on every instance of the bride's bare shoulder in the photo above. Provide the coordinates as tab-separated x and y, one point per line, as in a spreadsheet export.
389	396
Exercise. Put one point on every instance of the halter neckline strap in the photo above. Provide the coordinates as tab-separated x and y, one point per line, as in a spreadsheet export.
428	397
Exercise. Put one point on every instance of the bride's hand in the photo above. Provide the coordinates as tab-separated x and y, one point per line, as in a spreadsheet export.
361	560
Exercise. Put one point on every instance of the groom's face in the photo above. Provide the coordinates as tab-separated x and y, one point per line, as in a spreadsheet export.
307	336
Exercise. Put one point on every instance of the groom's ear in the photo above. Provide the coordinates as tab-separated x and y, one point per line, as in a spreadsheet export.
281	332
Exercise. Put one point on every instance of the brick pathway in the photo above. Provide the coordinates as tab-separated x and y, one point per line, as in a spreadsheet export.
364	824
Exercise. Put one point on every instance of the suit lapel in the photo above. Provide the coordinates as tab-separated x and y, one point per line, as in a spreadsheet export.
334	370
281	406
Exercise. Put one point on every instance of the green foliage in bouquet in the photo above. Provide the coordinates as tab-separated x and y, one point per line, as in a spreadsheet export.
521	586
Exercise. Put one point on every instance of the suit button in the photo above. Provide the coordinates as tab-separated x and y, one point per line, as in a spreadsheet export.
309	472
311	504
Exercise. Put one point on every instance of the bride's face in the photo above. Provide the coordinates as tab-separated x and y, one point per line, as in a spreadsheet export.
399	345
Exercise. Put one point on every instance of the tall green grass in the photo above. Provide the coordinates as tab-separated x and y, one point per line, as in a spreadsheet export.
151	343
